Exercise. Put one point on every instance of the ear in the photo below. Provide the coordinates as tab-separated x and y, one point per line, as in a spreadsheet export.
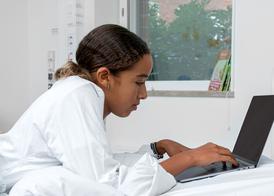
103	77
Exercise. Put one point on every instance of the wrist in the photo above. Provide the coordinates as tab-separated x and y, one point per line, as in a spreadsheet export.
192	158
160	147
156	154
178	163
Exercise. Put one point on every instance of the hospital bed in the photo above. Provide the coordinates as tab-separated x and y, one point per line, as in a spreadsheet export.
251	182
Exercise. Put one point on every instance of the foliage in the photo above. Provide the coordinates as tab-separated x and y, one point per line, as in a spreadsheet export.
187	48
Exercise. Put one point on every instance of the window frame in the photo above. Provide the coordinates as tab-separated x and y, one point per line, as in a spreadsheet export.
177	88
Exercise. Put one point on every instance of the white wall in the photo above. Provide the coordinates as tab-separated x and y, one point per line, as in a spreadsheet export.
26	37
106	12
39	32
14	66
194	121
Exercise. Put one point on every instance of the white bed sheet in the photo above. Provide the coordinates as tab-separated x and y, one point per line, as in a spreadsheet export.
251	182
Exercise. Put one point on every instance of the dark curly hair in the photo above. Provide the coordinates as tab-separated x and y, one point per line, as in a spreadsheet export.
109	45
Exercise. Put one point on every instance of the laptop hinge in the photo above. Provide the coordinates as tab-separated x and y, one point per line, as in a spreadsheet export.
244	160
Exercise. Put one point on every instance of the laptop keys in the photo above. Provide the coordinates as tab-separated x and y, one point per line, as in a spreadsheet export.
220	166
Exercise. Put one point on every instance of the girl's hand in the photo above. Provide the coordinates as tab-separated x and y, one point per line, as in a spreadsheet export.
170	147
211	153
201	156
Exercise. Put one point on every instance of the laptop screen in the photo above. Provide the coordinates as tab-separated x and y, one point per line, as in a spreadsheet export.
255	129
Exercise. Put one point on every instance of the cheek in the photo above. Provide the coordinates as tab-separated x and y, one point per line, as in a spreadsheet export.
125	98
128	91
122	107
132	93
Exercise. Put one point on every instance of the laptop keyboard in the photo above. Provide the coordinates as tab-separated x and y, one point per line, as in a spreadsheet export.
217	167
223	166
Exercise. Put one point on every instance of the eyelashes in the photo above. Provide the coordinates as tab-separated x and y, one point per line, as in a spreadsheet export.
140	83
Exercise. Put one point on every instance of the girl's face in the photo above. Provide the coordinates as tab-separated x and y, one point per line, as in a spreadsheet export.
127	88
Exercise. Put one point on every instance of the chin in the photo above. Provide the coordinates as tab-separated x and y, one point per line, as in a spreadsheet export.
123	115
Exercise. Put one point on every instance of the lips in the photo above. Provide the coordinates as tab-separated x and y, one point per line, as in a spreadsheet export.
135	106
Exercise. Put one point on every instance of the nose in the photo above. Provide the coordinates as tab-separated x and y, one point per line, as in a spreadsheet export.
142	92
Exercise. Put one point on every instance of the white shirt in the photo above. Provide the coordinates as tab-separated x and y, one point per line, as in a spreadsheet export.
65	126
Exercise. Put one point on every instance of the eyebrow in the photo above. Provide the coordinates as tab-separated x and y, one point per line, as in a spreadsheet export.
143	76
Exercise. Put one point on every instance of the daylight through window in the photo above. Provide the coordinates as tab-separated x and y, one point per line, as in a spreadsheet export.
187	37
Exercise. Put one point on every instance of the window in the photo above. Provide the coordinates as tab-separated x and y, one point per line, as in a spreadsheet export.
185	38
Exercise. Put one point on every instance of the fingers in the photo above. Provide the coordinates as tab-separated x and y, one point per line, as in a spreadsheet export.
230	159
225	155
221	154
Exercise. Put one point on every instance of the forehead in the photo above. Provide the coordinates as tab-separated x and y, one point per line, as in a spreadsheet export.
143	67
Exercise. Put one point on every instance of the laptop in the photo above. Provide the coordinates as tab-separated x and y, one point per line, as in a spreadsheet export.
249	145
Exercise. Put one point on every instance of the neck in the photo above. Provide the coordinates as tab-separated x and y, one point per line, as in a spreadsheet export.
106	110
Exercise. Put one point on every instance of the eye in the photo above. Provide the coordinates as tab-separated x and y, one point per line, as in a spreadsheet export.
140	83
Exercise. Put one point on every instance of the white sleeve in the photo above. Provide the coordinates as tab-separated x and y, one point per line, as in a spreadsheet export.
76	136
130	158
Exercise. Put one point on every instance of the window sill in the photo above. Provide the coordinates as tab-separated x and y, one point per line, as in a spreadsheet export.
214	94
